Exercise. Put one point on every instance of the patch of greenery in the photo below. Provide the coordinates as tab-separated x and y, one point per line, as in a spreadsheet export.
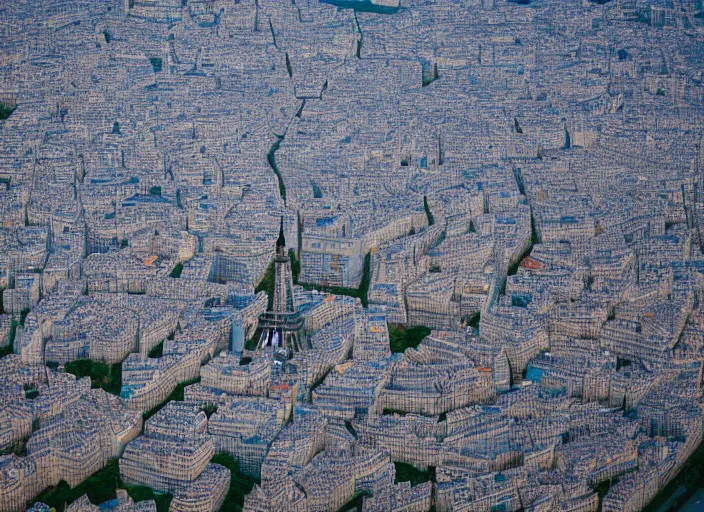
13	334
176	395
643	17
690	476
267	285
403	337
601	489
209	409
100	487
317	193
14	324
5	111
288	66
513	269
176	272
30	391
295	265
155	191
473	320
55	497
143	493
251	343
622	363
359	293
156	63
240	484
19	448
391	412
104	376
517	126
6	350
428	213
350	428
430	75
355	502
157	351
319	380
408	473
660	92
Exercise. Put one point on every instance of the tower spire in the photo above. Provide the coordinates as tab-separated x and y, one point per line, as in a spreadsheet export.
281	241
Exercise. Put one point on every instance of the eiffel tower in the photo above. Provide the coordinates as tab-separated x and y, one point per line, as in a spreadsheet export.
282	325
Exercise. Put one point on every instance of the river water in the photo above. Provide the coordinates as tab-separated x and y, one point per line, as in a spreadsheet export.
362	6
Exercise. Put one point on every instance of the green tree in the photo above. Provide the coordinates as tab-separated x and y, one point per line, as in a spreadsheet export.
5	111
107	377
408	473
240	484
176	272
403	337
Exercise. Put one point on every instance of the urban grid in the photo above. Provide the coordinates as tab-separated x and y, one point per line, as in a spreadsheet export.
351	255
